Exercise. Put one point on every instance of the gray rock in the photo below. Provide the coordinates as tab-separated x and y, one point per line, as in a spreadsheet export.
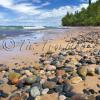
34	91
97	70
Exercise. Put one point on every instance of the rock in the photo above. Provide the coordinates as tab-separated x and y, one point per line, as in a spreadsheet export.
46	62
24	96
1	82
62	97
91	97
61	57
45	91
53	96
30	80
85	91
49	84
67	88
51	67
2	94
28	73
69	94
97	70
92	91
60	72
91	71
15	96
68	69
76	80
14	77
98	97
34	91
59	88
3	67
20	85
60	80
82	71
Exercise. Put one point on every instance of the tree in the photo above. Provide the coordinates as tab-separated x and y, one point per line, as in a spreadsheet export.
89	2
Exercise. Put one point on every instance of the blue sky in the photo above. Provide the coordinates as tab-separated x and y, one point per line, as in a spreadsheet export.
37	12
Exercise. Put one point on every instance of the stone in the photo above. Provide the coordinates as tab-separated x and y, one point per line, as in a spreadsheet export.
30	80
3	94
68	69
53	96
51	67
76	80
45	91
91	71
14	77
1	82
97	70
60	80
69	94
49	84
34	91
28	73
60	72
67	88
15	96
98	97
62	97
59	88
82	71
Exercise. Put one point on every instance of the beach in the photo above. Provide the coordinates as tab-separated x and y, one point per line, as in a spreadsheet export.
20	52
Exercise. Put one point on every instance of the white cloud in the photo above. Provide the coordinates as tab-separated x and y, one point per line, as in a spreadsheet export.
62	11
26	8
35	14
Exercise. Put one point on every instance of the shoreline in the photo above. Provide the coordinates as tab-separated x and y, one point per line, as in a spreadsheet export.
19	60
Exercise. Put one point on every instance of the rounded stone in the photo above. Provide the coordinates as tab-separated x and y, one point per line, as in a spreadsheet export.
97	70
45	91
34	91
60	72
30	80
82	71
51	67
76	80
49	84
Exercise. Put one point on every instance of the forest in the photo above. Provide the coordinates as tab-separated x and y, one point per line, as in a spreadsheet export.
86	17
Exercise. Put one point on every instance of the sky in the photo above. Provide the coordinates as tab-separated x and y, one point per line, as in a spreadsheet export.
37	12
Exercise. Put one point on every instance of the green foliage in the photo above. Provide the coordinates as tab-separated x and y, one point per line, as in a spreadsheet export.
86	17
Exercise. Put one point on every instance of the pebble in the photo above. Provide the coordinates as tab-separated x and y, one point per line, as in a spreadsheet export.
15	96
82	71
62	97
60	72
97	70
34	91
68	69
45	91
98	97
67	88
49	84
3	94
14	77
91	71
76	80
30	80
28	73
51	67
59	88
1	82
